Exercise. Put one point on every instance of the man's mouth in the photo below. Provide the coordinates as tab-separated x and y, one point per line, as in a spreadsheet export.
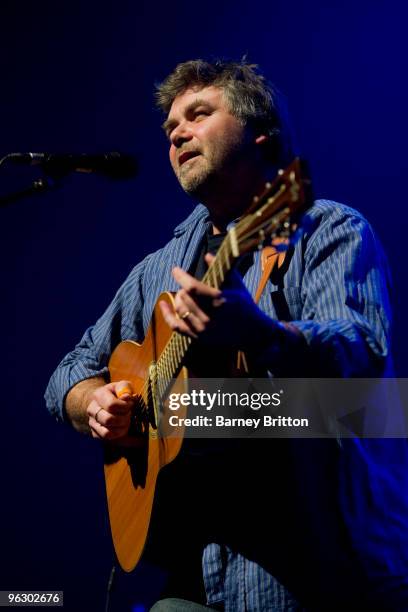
186	156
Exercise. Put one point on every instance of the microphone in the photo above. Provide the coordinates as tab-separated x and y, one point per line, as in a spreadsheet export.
113	165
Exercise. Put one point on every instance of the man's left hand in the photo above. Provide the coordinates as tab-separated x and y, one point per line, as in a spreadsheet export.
229	317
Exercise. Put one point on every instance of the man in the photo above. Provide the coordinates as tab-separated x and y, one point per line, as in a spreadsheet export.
291	541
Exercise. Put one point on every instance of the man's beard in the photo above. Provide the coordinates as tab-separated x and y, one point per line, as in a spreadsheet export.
196	181
210	170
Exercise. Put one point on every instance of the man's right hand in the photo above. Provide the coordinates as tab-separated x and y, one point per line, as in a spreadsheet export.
110	410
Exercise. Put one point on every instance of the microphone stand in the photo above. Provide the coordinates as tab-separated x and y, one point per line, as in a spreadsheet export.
41	185
57	167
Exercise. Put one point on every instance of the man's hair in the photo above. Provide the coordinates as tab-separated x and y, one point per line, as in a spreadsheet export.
250	98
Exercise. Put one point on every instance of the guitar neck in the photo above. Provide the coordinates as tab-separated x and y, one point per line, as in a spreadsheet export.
225	259
173	356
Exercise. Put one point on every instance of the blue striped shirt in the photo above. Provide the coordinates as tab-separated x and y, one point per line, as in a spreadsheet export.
334	290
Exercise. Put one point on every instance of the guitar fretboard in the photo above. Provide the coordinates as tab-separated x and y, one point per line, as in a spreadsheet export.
172	358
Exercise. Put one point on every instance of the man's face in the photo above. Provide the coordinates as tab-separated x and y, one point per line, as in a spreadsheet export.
207	143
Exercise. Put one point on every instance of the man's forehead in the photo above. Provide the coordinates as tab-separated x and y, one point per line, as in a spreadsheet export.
210	94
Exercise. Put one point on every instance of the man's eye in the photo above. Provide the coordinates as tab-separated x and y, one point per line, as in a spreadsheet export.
200	114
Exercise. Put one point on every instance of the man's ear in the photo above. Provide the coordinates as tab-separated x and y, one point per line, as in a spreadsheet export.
268	142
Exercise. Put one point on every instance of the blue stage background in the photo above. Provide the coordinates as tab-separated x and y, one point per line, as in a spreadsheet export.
79	76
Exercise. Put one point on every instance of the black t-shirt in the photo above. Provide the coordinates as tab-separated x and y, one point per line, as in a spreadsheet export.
210	244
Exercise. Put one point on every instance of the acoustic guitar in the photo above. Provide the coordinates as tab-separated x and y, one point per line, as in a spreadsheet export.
158	366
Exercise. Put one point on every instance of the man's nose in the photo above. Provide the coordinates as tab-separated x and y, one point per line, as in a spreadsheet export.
180	134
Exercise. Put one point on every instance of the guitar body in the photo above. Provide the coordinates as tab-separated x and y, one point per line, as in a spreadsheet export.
131	471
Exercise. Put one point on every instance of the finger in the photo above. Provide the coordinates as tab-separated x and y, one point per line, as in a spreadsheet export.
209	258
98	415
124	389
93	409
107	399
175	322
192	285
112	421
105	433
121	388
219	302
185	304
202	311
97	430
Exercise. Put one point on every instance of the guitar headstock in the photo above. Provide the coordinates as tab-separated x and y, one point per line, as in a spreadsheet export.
275	213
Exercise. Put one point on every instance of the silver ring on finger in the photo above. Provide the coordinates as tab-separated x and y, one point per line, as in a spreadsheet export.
185	315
